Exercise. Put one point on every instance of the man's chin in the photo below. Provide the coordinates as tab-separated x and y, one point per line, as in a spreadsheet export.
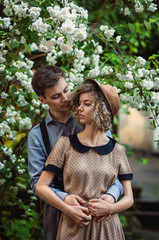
66	109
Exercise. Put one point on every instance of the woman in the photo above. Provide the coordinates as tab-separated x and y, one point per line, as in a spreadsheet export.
91	162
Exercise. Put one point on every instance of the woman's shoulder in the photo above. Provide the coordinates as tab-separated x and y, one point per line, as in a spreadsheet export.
62	144
63	140
120	147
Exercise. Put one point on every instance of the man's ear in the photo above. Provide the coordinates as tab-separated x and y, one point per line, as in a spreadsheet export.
42	100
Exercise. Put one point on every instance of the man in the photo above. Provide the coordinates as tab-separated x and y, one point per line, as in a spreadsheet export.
50	85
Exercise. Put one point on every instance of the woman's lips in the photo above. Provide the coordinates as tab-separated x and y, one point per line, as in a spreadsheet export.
80	116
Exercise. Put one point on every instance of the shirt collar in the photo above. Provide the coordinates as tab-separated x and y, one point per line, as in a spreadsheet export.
50	119
103	150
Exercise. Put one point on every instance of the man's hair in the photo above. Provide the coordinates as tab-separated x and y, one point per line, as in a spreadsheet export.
44	77
101	114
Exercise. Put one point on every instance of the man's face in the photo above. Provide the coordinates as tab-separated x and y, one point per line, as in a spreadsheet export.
58	97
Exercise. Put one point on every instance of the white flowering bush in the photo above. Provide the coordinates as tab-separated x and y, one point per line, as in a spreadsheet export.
34	33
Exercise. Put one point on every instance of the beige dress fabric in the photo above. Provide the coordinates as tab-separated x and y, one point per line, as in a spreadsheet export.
88	175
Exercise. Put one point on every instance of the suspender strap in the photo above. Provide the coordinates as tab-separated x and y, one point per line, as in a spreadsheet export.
58	179
45	137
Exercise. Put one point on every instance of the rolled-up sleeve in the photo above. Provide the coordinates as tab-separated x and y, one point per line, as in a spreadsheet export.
116	189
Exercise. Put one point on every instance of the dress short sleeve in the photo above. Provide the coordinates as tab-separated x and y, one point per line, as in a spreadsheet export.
124	170
56	158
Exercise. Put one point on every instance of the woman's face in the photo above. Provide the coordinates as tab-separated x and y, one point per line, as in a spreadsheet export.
85	108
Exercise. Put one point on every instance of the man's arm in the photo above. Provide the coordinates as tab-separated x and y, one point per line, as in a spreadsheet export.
36	160
115	190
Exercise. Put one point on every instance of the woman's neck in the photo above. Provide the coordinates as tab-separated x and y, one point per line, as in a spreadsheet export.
92	137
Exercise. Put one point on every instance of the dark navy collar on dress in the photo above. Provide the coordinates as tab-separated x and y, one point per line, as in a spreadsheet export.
103	150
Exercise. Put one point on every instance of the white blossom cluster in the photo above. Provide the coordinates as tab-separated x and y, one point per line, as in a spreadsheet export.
25	123
11	115
7	151
12	135
24	75
20	9
34	12
4	95
125	77
2	67
40	26
108	32
68	30
21	101
141	6
4	164
83	61
16	7
106	70
148	81
33	47
2	59
5	22
4	128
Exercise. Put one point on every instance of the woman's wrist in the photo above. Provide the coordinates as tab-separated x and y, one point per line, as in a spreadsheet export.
67	209
111	208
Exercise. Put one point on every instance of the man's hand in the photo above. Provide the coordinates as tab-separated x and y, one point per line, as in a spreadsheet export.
74	200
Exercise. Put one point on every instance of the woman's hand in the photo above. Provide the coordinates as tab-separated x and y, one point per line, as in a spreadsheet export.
99	208
79	215
110	199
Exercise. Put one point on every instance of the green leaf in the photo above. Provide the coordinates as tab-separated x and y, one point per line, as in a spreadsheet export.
21	179
137	27
123	220
116	121
147	24
27	48
143	160
129	151
153	20
126	110
14	89
157	23
132	27
7	44
154	56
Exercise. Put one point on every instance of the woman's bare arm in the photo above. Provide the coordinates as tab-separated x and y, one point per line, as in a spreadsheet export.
76	213
99	207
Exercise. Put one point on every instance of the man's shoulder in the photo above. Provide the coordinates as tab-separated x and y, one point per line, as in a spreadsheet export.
35	130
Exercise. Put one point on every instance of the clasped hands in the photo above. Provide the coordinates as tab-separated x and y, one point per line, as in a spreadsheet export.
97	209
